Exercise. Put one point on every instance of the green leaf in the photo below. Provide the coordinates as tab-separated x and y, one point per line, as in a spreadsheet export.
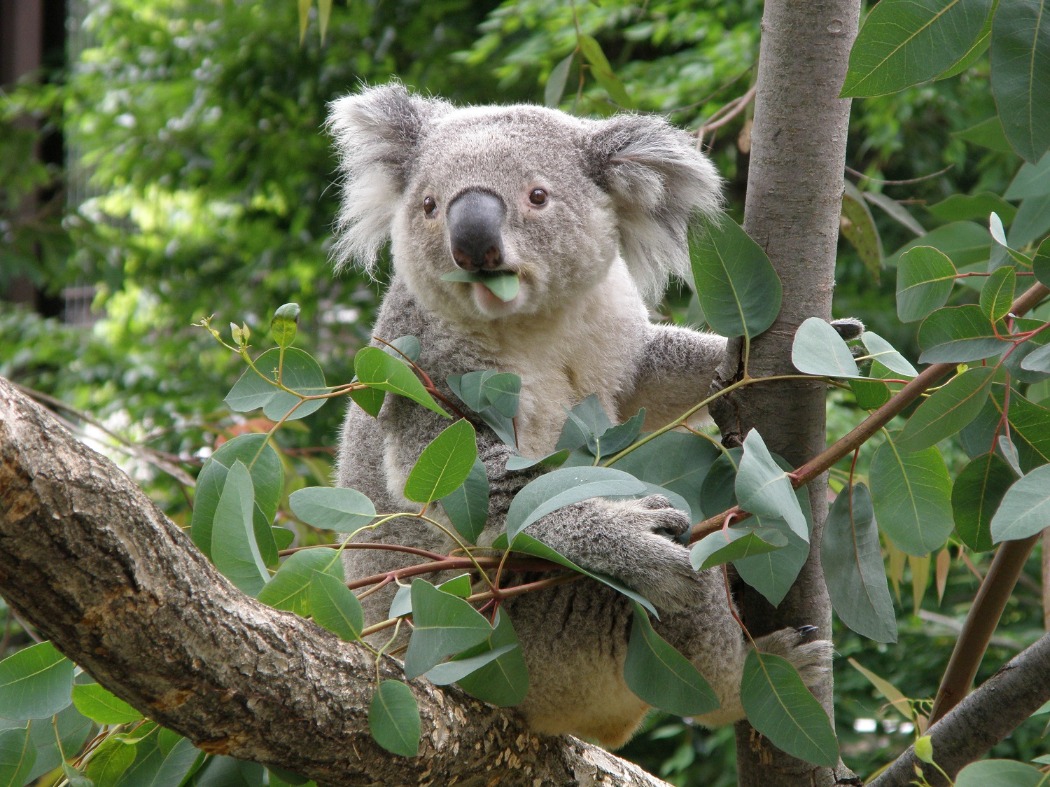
763	488
487	388
1031	180
100	705
264	465
17	756
35	683
905	42
676	461
444	464
736	543
559	75
257	387
900	214
290	587
382	371
1000	773
882	351
779	706
773	573
735	283
527	545
853	567
585	422
503	284
393	718
997	294
973	207
110	760
818	349
442	626
976	494
334	606
958	334
925	277
233	547
1020	57
858	227
1031	224
1041	263
498	674
660	675
458	586
947	410
284	324
368	399
563	487
1025	508
965	243
602	71
341	509
987	134
1037	360
912	497
467	507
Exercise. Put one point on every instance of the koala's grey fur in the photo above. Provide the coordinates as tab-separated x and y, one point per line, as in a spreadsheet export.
619	194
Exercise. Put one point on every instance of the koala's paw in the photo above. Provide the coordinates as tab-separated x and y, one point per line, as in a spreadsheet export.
812	659
660	569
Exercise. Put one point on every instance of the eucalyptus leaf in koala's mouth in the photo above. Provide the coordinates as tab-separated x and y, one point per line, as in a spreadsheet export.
503	284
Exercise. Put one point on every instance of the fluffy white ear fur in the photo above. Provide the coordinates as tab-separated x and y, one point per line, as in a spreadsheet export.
376	133
658	180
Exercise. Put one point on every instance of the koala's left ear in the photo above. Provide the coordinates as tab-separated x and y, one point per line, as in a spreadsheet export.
658	180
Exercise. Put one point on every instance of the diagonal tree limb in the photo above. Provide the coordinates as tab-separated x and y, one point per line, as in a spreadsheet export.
89	561
982	719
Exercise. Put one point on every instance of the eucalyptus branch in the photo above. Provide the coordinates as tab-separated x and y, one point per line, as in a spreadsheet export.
861	433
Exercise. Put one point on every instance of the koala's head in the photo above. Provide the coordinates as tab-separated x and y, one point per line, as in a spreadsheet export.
554	198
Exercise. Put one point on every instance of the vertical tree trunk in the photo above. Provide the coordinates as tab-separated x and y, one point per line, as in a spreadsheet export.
794	197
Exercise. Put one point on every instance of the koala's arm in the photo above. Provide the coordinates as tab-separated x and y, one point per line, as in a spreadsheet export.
673	373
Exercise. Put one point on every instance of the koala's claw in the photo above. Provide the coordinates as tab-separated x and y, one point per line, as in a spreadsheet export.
804	632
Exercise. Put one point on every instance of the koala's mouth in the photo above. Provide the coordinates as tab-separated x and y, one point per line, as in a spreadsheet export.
504	284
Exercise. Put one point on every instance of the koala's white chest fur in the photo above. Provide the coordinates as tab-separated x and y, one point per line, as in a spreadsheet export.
566	356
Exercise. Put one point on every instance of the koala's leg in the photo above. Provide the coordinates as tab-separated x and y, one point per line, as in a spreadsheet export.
713	642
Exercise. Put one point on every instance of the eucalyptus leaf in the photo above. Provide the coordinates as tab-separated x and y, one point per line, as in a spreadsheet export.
947	410
819	350
290	587
384	372
779	706
925	277
233	547
912	497
737	287
393	718
442	625
854	570
444	464
976	494
660	675
341	509
35	683
1025	508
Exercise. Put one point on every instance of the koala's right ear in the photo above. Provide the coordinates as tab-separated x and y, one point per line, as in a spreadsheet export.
376	134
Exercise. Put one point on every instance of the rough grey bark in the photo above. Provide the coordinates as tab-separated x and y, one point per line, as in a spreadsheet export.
97	568
794	197
982	719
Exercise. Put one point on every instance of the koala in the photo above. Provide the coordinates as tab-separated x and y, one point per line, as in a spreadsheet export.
592	216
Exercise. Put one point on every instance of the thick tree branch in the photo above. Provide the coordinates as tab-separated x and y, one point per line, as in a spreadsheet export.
96	567
982	719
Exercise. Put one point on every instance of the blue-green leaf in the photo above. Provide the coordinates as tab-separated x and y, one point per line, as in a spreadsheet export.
35	683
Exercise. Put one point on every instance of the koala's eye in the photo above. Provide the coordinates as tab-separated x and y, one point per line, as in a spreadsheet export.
538	197
429	206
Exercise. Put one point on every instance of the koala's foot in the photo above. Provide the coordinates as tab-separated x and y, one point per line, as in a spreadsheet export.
812	659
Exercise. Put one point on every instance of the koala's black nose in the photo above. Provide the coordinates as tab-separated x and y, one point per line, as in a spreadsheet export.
475	220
